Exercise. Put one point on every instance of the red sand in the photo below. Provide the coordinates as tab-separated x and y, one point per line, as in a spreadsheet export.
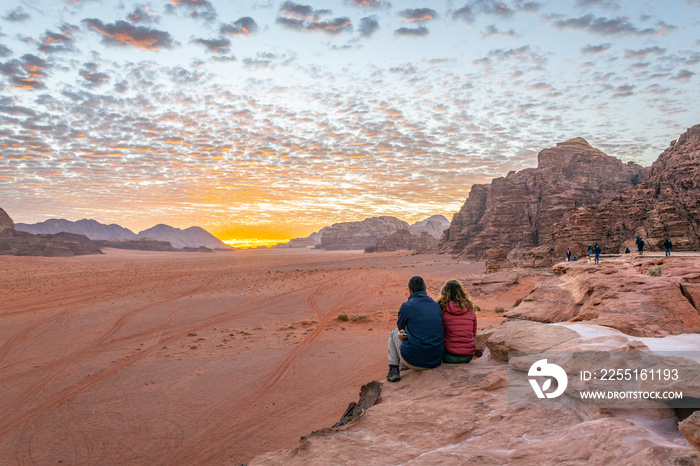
185	358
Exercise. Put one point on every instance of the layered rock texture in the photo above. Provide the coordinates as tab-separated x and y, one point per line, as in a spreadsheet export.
20	243
621	294
360	235
666	204
405	240
518	212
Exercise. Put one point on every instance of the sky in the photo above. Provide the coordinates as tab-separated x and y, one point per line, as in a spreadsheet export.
268	120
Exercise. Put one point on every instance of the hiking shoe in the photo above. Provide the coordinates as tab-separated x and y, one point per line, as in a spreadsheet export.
393	375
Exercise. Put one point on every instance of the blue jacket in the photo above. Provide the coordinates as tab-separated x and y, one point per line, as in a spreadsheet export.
421	318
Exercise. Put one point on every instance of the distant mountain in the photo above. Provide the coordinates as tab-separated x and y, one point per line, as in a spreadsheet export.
192	237
90	228
434	226
313	240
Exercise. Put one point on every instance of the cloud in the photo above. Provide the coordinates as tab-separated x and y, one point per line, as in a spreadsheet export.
502	9
420	31
418	14
605	4
142	14
56	42
305	18
368	26
245	27
369	3
4	51
93	77
217	46
623	91
603	26
17	15
492	30
197	9
523	55
27	72
595	49
267	60
642	53
122	33
683	76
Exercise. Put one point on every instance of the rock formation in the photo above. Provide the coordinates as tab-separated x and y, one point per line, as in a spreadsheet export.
20	243
313	240
517	213
434	226
192	237
620	293
405	240
360	235
666	204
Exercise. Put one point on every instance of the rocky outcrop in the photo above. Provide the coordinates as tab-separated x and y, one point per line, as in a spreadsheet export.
360	235
519	211
405	240
192	237
313	240
6	222
20	243
690	428
666	204
434	226
619	293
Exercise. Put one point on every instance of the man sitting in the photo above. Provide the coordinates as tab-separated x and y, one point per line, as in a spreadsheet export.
417	341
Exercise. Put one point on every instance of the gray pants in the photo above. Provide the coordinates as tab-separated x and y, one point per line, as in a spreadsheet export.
395	358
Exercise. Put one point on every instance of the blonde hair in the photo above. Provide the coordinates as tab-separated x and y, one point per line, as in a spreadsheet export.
455	292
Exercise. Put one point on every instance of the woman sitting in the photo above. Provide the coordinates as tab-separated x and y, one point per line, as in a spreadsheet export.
459	323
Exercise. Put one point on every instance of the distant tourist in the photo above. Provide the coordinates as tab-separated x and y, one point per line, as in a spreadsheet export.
597	251
590	251
459	323
668	245
575	259
568	255
417	341
627	250
640	245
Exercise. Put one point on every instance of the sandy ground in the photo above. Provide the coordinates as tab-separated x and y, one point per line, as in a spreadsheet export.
193	358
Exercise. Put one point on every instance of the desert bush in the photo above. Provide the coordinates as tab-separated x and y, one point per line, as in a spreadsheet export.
655	272
499	309
477	308
358	317
343	317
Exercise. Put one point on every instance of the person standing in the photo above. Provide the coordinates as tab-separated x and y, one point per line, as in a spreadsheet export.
597	251
667	246
590	251
640	246
568	255
417	340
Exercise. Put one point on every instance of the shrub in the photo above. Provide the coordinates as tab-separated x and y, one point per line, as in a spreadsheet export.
499	309
477	308
655	272
357	317
343	317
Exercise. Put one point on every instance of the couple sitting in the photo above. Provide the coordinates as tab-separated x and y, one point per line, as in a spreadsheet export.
428	333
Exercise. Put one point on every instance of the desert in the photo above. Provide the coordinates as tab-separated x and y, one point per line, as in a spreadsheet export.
135	357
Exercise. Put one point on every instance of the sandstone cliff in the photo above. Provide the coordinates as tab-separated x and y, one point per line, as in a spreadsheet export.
360	235
519	211
434	226
666	204
20	243
405	240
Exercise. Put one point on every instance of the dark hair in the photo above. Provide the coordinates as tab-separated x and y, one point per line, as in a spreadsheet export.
416	284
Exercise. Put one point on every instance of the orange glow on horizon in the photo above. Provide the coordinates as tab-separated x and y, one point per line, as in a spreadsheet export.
250	243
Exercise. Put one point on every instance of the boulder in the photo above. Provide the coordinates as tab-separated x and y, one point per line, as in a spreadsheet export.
690	428
526	336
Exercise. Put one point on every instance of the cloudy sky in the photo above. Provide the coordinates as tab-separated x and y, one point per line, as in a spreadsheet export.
271	119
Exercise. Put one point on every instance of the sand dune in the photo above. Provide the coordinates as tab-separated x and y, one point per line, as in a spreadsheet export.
164	358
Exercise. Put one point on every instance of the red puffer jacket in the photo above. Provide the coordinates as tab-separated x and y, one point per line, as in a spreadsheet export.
460	330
